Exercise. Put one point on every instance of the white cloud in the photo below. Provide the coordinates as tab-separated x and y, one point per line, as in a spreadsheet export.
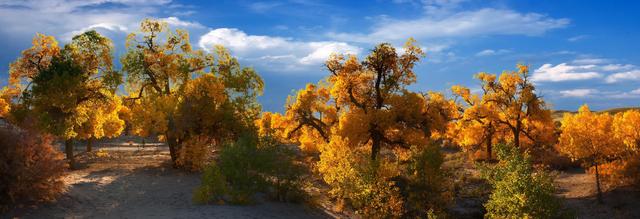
487	21
565	72
578	92
176	22
590	61
275	52
262	7
491	52
577	38
622	76
587	68
626	95
64	18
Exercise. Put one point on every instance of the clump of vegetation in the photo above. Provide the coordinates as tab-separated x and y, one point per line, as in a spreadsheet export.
195	153
519	191
248	166
383	188
30	168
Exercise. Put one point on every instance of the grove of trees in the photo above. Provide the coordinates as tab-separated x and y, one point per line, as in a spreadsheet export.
374	143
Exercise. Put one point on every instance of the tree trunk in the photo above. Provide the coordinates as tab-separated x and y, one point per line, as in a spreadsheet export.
516	137
173	148
68	148
600	200
375	146
89	144
489	146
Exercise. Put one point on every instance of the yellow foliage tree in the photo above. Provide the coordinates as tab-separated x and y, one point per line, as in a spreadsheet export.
367	103
178	92
366	124
102	120
57	85
587	136
509	110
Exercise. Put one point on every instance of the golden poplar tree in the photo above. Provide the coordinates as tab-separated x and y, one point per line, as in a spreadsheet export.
508	110
56	84
177	92
587	136
367	104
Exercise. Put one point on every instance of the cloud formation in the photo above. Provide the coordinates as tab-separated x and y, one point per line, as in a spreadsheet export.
491	52
565	72
481	22
578	92
585	69
66	18
279	53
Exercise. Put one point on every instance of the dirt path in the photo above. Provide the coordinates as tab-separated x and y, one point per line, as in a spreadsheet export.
141	185
579	193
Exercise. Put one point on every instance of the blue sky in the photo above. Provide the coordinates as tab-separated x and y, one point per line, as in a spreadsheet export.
579	51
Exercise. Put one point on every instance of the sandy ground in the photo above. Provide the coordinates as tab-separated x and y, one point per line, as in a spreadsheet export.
578	189
141	184
135	182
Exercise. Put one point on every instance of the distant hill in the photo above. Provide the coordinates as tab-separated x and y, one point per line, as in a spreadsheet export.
558	114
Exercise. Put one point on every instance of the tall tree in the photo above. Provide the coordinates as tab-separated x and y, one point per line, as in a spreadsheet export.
56	83
178	92
368	104
509	110
158	63
587	136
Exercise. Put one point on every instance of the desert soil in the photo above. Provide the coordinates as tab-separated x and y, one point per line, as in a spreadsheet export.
141	184
578	190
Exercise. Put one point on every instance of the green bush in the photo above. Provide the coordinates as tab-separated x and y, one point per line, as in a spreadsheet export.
426	189
519	191
248	166
213	188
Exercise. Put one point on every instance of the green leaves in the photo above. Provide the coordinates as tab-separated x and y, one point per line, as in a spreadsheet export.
519	190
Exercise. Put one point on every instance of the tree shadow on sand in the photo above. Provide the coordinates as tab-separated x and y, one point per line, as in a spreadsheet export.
157	191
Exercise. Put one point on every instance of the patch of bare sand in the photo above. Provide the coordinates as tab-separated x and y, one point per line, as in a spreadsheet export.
143	185
578	189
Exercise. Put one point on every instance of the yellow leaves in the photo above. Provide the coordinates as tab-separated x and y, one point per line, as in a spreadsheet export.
98	119
587	135
626	127
206	86
485	77
39	56
508	110
4	107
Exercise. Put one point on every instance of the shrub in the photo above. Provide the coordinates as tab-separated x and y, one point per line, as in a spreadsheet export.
384	188
519	191
213	186
248	166
194	154
30	168
427	188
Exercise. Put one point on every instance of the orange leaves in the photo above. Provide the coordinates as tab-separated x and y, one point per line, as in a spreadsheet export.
367	103
4	107
587	135
508	110
34	59
626	127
